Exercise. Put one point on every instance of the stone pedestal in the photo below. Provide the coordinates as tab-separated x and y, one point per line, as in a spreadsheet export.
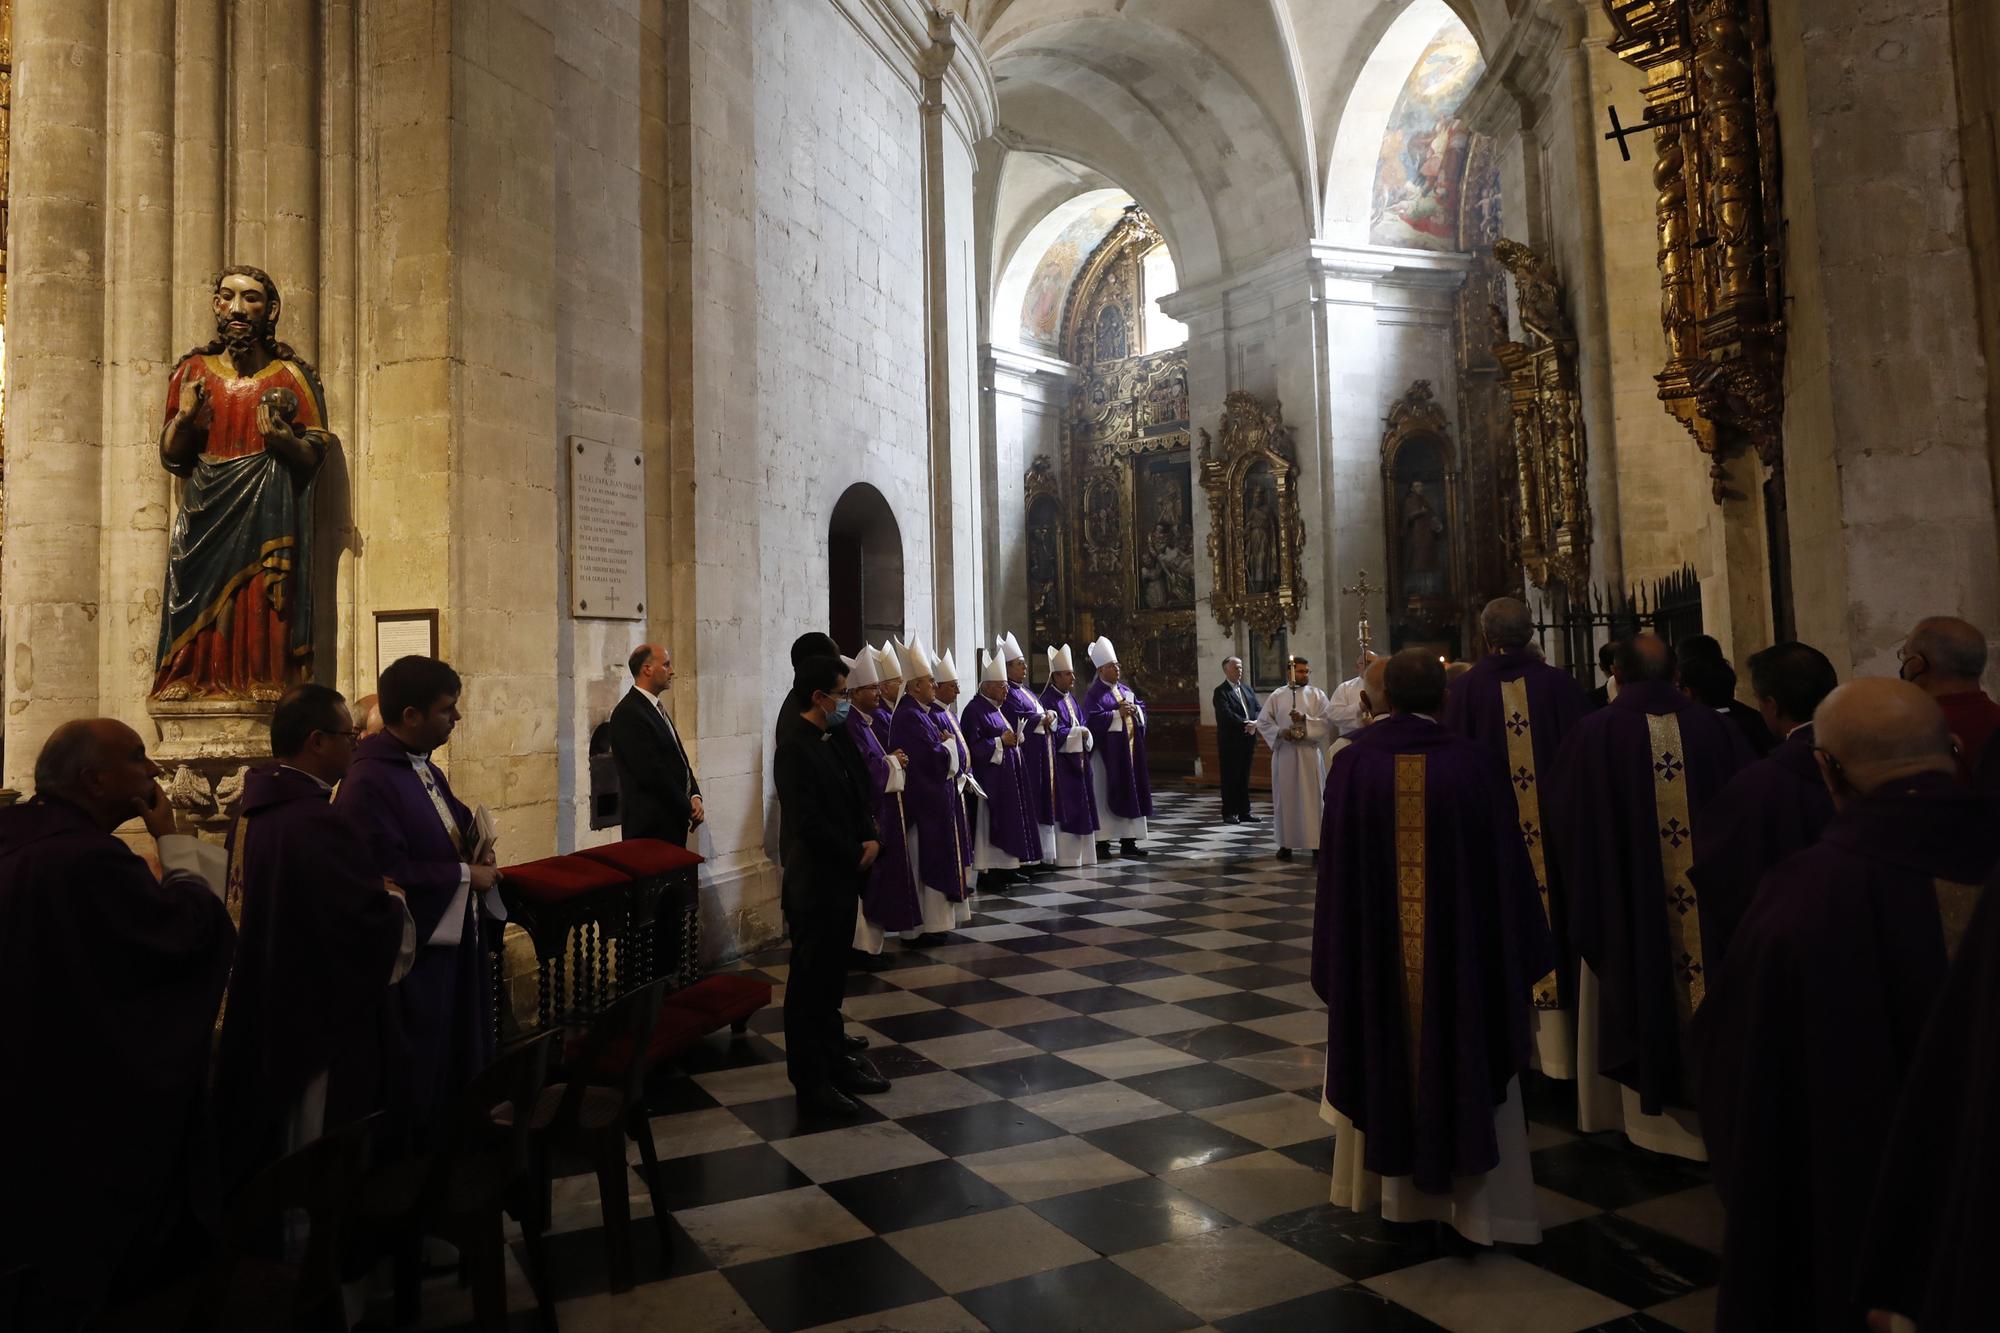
205	746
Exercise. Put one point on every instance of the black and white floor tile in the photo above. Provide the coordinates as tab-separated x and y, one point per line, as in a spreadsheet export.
1104	1115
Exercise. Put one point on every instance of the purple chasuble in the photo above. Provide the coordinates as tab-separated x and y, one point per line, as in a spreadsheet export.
1927	1251
1625	813
111	979
929	793
1010	815
1773	808
889	896
1519	709
879	722
310	992
1038	767
1128	784
961	808
1809	1029
1427	935
1076	806
447	997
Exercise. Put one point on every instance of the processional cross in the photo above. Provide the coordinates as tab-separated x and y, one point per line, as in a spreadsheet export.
1364	592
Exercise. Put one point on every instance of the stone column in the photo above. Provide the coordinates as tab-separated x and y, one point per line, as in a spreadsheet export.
55	403
138	321
1888	478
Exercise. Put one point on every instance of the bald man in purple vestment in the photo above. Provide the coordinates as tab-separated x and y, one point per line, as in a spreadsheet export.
1927	1252
1775	806
426	840
110	977
1428	937
1809	1028
1626	807
1519	710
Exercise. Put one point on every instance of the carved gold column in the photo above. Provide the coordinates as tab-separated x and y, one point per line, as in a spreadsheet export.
1720	227
1551	451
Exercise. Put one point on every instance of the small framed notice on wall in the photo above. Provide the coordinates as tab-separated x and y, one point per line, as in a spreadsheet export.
607	531
405	634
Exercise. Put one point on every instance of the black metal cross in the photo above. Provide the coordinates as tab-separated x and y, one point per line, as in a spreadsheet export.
1621	132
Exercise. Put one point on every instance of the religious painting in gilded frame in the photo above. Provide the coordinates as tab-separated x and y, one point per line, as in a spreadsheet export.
1267	659
1420	485
1256	535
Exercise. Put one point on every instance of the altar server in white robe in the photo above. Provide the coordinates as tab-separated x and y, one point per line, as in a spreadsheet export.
1346	710
1296	725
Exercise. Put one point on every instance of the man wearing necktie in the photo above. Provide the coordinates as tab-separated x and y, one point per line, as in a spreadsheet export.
1235	739
656	783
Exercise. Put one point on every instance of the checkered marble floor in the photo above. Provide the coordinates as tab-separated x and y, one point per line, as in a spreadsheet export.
1104	1115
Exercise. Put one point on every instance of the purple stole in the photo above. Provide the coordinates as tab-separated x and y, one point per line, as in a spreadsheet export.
889	898
928	796
1128	787
946	723
1038	769
1010	816
1075	807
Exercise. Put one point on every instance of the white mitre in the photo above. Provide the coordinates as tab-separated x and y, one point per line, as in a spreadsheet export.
1102	654
863	669
995	670
1060	659
1010	648
944	669
886	665
915	662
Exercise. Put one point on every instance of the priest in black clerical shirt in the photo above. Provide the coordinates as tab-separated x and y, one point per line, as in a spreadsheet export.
656	783
1236	710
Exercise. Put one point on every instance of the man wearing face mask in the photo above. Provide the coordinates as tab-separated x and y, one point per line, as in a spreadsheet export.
1945	657
830	844
1812	1022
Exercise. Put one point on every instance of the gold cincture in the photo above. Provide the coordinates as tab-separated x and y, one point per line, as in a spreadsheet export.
1551	456
1268	592
1719	216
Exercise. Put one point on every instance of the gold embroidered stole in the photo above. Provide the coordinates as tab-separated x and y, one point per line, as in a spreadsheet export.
1528	804
1410	897
438	803
1676	834
1955	903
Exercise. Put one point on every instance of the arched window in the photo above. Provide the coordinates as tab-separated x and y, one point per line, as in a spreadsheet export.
864	554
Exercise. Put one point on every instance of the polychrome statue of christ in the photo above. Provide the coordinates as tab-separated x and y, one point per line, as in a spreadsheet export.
246	431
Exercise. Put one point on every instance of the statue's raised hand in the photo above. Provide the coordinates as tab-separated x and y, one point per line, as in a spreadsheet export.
194	396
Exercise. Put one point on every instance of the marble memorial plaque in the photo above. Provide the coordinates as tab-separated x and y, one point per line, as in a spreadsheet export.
607	531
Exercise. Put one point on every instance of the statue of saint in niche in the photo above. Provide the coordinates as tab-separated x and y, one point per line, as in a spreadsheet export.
1166	572
246	432
1260	536
1423	533
1111	342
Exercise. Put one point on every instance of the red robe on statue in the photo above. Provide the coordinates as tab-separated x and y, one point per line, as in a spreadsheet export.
237	620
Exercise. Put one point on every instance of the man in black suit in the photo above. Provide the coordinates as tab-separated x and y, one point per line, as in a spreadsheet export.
828	841
1236	710
656	783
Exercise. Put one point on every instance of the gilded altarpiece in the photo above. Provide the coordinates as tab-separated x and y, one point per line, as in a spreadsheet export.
1256	534
1550	454
1425	520
1712	109
1489	500
1124	564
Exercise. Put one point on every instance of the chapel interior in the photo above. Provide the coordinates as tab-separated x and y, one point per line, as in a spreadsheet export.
1214	328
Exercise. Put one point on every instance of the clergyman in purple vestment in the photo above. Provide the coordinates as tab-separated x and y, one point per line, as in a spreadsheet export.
1120	780
1069	742
312	1037
423	837
946	672
1038	757
1519	710
1776	806
1428	937
1808	1029
1932	1232
1625	812
889	890
111	978
930	791
1003	832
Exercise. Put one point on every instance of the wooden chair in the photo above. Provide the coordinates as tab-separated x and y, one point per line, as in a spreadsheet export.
458	1188
251	1279
602	1103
